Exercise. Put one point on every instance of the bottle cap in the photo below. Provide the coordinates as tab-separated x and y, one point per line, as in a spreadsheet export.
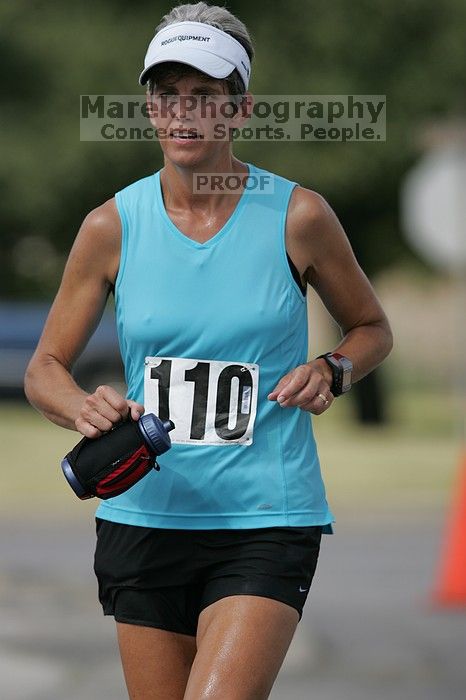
155	432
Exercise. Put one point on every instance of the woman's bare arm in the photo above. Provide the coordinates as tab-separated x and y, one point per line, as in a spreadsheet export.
320	247
87	279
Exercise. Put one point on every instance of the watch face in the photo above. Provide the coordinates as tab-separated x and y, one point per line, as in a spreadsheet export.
346	383
341	370
346	368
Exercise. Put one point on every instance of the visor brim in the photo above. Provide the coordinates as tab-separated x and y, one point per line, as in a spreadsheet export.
204	61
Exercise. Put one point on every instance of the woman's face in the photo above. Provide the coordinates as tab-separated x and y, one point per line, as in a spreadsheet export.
193	116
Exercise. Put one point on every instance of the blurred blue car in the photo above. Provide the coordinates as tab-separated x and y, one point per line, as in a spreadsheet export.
21	324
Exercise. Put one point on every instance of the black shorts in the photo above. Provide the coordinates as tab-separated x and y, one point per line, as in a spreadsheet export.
164	578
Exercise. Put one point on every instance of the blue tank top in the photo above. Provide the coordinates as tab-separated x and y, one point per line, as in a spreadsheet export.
206	331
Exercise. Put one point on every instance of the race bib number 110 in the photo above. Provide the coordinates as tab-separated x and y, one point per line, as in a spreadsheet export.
211	402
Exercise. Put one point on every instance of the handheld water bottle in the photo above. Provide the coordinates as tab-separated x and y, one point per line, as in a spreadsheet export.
110	464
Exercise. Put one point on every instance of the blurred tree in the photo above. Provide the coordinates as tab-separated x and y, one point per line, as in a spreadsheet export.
51	52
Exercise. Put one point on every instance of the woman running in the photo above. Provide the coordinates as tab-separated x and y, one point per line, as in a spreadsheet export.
206	564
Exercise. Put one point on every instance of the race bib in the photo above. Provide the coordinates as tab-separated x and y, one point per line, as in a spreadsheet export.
211	402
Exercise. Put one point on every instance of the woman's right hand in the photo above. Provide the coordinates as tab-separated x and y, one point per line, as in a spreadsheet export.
103	409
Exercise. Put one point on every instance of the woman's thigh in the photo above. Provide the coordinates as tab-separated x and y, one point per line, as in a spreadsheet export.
156	663
242	641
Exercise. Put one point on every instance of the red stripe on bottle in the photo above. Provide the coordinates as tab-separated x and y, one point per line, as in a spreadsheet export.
111	482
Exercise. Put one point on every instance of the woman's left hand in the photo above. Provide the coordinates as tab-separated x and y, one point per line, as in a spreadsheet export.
305	387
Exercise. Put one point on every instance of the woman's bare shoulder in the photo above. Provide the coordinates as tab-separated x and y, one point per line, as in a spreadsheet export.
103	221
308	211
97	244
310	224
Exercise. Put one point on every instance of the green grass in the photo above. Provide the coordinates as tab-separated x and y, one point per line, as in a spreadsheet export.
409	464
31	477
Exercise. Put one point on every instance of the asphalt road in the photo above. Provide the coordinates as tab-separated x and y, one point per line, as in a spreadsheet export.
369	630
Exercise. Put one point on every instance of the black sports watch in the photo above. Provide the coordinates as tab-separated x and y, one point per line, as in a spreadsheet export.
341	368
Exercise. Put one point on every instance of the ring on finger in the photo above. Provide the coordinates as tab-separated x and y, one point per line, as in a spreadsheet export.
324	398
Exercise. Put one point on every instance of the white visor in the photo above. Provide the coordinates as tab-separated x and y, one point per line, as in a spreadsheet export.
200	45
